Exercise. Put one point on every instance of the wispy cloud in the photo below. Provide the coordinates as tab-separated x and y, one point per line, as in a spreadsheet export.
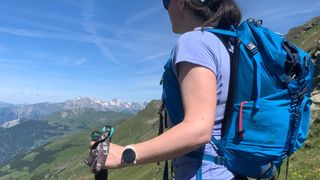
131	40
42	59
80	61
73	61
73	36
46	34
153	57
25	21
31	16
8	61
142	15
134	34
277	13
88	14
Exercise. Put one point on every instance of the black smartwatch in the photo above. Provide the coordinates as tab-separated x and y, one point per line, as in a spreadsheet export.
129	155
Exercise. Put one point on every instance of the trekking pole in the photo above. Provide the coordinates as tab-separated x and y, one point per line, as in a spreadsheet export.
99	152
101	175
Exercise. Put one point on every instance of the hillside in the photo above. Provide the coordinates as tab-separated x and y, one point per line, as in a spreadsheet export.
78	119
307	36
25	136
64	157
31	134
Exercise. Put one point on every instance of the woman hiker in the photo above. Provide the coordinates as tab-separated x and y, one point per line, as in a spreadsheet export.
200	64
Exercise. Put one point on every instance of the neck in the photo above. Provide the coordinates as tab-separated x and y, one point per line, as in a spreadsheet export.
192	21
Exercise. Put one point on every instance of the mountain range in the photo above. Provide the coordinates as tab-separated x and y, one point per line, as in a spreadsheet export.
10	112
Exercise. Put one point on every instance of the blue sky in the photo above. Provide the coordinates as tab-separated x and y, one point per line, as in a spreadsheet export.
55	50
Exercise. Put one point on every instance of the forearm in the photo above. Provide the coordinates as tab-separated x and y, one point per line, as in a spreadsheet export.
179	140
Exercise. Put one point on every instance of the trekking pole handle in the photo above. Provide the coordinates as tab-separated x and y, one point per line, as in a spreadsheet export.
103	173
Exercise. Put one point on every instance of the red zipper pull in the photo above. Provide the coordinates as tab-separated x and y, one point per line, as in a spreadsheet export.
240	127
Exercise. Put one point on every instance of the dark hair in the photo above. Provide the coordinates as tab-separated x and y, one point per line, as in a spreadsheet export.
216	13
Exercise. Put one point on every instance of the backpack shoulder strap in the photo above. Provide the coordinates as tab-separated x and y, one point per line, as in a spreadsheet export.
234	61
221	32
224	36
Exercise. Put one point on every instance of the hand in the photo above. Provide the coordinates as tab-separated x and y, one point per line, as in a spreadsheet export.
114	158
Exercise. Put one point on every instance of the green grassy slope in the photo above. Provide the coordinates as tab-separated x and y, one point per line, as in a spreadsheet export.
25	136
63	158
307	35
80	119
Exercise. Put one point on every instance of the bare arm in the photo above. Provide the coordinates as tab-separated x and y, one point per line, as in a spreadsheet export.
198	90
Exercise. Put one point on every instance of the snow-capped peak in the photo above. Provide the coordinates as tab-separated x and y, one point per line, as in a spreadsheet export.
100	105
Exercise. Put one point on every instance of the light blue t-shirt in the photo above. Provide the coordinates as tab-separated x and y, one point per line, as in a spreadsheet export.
205	49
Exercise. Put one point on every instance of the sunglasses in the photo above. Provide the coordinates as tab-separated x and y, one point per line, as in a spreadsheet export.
166	4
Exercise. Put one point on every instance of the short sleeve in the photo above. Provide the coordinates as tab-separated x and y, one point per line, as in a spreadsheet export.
200	48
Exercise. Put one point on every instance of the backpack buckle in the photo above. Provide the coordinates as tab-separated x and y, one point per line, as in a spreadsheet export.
287	78
219	160
291	77
256	22
253	48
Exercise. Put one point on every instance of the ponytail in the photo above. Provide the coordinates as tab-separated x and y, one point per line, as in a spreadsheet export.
216	13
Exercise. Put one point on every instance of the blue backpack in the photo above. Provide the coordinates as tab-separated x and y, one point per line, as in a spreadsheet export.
268	107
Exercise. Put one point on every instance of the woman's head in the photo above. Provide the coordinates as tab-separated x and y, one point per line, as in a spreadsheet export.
188	14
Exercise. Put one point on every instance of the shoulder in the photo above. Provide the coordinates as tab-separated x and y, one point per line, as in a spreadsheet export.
199	36
201	48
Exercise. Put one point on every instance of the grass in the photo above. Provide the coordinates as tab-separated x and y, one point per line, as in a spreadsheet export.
308	39
305	163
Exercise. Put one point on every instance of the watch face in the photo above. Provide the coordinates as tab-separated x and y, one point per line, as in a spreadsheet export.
128	156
